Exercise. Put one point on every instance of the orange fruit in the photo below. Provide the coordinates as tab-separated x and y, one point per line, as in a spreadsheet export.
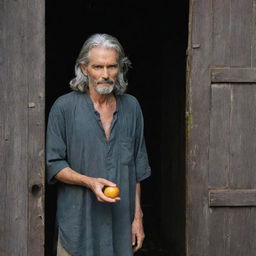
111	192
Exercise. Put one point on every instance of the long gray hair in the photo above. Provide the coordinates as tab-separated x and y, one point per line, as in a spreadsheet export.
80	82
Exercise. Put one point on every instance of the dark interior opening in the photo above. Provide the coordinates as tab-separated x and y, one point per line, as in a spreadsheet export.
154	36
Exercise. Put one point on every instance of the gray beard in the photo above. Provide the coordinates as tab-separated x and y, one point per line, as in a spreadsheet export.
103	90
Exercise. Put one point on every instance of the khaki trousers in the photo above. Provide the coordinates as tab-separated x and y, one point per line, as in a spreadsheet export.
60	250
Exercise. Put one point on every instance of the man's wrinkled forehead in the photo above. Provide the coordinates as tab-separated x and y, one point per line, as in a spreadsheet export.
101	51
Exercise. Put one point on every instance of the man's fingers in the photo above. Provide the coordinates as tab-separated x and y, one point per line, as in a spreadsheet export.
98	198
133	239
99	193
138	241
138	246
106	199
107	182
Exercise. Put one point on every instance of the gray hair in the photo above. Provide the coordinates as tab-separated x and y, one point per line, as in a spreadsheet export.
80	82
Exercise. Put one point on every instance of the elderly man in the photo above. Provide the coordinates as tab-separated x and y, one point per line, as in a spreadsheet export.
95	139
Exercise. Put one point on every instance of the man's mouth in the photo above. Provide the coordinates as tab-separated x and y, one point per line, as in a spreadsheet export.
105	82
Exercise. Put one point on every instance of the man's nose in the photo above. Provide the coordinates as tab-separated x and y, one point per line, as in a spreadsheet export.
105	73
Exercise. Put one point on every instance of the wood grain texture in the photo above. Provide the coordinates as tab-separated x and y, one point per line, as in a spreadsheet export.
233	231
219	136
231	155
231	165
232	197
221	32
253	57
224	106
13	217
233	75
3	147
242	231
219	224
19	74
36	125
198	94
233	33
241	26
242	136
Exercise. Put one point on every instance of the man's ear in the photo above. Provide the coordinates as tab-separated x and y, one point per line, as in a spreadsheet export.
84	69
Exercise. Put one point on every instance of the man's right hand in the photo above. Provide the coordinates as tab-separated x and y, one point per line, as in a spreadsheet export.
69	176
96	185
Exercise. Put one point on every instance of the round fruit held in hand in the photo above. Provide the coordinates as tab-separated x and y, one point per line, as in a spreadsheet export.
111	192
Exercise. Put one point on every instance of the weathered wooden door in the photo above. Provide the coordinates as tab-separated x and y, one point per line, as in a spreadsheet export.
22	127
221	122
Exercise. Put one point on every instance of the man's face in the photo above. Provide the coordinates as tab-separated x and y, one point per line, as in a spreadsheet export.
102	69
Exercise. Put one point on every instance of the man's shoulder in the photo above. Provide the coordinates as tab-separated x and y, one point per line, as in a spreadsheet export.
129	99
67	99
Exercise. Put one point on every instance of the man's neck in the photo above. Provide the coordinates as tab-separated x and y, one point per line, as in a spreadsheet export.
100	99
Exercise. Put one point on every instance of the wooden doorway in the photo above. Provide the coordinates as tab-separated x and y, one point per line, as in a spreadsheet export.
220	117
155	39
22	62
221	149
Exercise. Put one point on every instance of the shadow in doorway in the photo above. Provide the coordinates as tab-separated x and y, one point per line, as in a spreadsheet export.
154	36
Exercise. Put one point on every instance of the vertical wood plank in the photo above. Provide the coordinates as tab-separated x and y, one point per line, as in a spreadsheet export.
233	231
3	94
253	42
242	136
14	118
219	166
227	231
221	32
219	136
21	131
242	231
241	32
220	222
238	236
36	125
198	94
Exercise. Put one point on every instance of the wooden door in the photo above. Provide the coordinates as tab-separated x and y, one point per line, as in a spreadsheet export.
221	128
22	127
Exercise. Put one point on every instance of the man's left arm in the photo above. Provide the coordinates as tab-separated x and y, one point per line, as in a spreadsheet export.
137	224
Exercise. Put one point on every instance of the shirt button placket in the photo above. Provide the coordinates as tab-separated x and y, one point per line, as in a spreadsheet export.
108	160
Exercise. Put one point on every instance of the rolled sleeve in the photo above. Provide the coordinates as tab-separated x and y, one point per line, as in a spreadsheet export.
55	143
142	166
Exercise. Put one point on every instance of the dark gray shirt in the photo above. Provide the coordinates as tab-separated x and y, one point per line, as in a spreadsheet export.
76	139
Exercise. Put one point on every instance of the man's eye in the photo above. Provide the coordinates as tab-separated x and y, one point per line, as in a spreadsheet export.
97	67
113	66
